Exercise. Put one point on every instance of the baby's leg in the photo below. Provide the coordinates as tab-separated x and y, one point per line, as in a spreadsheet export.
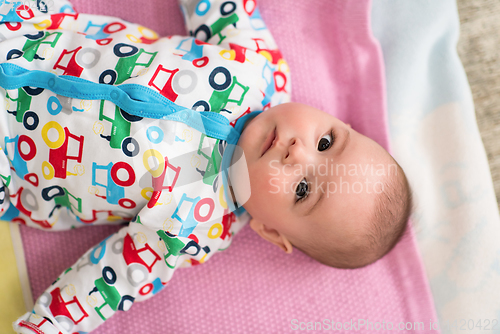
125	268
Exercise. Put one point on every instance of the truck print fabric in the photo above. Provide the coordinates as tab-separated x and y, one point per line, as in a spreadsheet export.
104	122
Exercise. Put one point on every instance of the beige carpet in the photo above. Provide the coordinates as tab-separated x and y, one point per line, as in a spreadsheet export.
479	49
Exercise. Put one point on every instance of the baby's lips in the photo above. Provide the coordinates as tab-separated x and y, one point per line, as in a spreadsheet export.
269	142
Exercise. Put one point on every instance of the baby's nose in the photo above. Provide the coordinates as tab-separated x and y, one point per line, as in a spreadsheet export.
296	152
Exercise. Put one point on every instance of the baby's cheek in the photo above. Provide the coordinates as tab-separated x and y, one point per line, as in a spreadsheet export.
267	184
268	180
273	187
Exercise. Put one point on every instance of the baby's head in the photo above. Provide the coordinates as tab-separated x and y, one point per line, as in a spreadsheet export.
322	187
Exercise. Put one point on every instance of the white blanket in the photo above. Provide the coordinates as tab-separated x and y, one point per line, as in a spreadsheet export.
435	138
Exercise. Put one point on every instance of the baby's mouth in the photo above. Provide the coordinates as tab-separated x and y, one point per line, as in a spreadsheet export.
269	142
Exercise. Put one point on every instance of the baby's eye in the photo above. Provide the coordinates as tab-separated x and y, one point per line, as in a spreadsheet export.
302	190
325	142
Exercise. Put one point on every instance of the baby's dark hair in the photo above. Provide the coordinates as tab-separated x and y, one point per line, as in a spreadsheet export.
392	213
387	226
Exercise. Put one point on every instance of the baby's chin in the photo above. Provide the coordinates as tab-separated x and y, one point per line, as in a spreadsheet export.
245	135
247	123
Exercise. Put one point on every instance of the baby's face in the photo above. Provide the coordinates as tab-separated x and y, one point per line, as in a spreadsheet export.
313	178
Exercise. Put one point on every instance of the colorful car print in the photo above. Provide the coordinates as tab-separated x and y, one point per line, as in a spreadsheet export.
119	136
115	191
112	297
57	166
128	61
67	313
140	261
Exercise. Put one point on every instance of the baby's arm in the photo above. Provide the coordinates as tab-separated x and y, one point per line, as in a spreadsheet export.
238	29
234	24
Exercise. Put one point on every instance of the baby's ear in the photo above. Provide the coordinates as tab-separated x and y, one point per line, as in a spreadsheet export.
271	235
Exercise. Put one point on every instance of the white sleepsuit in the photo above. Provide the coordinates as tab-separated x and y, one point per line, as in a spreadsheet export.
102	121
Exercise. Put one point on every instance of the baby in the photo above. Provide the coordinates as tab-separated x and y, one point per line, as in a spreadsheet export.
303	195
102	122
